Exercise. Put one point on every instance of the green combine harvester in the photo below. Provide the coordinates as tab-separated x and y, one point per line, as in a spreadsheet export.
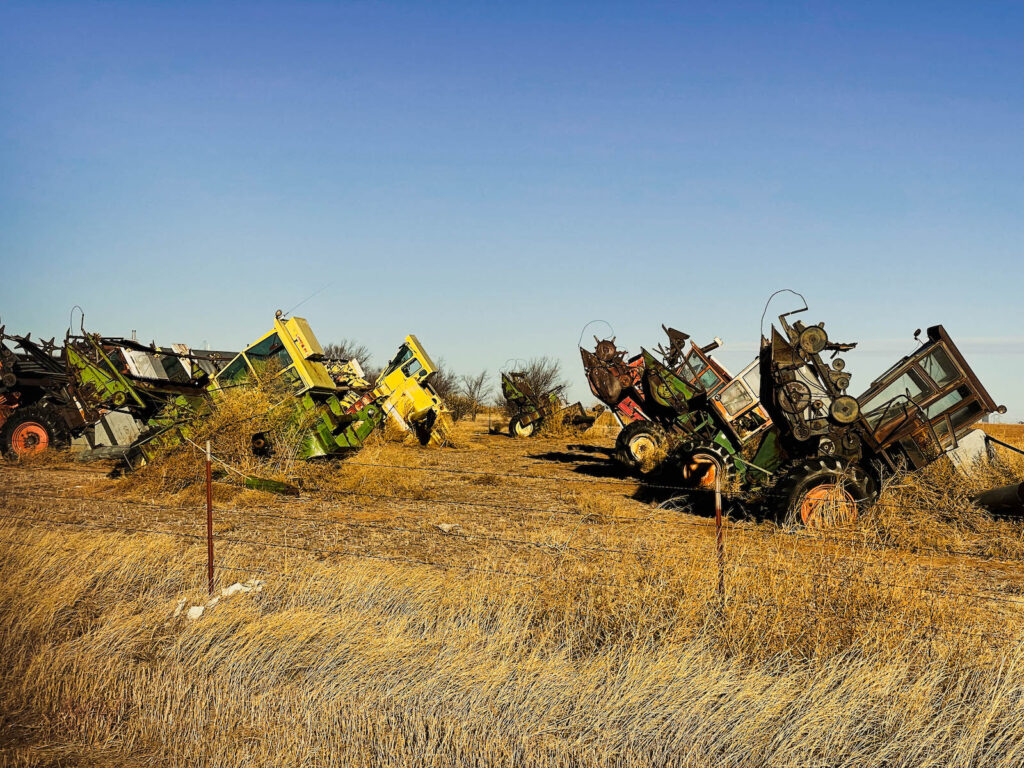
785	427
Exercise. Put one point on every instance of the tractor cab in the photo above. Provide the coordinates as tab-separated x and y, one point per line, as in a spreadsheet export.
701	370
739	407
921	406
293	349
407	396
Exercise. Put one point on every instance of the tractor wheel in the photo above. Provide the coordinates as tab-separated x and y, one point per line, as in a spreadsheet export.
701	465
517	428
823	492
638	445
31	430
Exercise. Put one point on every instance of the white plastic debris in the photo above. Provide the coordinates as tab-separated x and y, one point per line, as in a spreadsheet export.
193	613
253	585
448	527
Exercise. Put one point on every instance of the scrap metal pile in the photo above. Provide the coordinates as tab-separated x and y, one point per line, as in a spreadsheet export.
115	397
785	426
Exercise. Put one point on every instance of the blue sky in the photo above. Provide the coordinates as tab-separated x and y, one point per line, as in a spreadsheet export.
494	176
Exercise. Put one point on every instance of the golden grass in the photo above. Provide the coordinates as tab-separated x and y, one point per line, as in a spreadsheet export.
602	643
366	663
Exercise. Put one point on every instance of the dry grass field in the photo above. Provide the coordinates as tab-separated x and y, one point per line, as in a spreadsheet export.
500	602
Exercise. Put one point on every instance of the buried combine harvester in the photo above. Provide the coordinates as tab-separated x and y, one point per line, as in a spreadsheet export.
127	400
785	426
531	410
339	404
97	391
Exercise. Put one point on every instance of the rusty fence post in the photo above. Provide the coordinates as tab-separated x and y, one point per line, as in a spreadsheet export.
719	537
209	519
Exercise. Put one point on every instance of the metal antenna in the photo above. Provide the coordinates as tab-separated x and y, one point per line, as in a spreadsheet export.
781	290
317	292
584	330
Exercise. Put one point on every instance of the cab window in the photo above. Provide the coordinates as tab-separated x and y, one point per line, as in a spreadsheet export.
270	349
735	397
235	371
939	367
947	402
881	404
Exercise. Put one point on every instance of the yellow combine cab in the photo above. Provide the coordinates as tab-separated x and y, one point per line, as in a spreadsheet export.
350	408
407	397
292	347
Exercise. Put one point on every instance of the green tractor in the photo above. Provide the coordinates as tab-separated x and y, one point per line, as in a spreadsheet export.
530	410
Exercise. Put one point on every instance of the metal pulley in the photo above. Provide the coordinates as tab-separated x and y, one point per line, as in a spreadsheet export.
813	339
844	409
794	396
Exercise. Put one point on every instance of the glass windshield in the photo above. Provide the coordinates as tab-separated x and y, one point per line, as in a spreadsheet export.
710	379
947	402
939	367
404	355
271	348
753	379
735	398
236	369
691	367
885	403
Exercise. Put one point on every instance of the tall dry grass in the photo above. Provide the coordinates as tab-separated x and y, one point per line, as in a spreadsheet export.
367	663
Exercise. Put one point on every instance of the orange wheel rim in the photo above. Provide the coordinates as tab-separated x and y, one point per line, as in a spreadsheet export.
701	470
30	438
707	479
826	505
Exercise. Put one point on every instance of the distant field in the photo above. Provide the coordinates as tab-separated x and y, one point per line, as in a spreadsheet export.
505	602
1011	433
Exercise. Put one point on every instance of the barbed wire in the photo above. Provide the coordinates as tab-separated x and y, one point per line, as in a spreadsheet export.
559	548
596	518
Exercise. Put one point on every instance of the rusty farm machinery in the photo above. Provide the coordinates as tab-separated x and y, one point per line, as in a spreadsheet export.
785	428
531	409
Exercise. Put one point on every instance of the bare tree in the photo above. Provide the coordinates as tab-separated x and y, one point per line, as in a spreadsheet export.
446	384
544	374
476	390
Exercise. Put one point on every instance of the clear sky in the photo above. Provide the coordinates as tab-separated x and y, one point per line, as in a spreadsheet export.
492	176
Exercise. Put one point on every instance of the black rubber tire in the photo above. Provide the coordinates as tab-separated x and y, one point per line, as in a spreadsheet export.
517	429
712	450
46	418
788	494
626	442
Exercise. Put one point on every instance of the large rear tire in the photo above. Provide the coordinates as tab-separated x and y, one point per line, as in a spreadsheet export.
31	430
701	466
516	427
638	445
823	492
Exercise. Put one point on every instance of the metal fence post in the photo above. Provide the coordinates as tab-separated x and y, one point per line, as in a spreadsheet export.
209	519
719	538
